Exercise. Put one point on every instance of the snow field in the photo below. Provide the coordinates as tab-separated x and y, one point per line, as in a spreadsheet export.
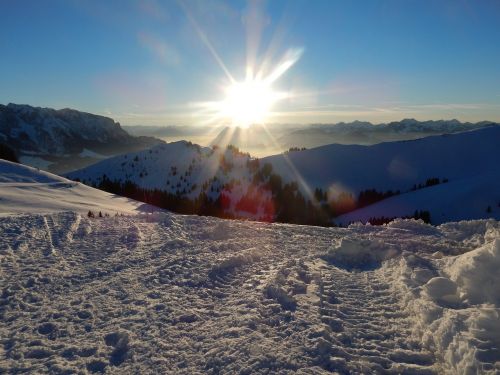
165	293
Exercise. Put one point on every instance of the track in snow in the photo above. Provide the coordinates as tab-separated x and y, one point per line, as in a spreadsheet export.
184	294
373	331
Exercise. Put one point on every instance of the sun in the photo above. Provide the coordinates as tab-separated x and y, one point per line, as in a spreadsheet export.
249	102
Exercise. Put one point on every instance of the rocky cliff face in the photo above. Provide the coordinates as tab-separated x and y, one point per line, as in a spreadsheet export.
66	139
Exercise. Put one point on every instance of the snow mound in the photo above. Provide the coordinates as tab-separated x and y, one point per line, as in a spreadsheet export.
231	263
454	296
360	253
442	289
415	226
472	233
477	275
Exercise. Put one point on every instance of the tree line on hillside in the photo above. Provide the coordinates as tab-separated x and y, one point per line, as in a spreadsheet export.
287	203
429	182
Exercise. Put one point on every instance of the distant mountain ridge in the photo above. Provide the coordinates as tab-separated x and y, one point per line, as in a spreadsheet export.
255	136
366	133
65	139
270	139
392	165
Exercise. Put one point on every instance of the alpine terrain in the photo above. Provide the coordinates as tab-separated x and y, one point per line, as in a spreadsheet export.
63	140
165	293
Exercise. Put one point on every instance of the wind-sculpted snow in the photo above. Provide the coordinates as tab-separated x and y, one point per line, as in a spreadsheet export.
173	294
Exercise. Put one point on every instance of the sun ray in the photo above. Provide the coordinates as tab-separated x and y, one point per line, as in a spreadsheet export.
250	101
290	58
206	41
302	182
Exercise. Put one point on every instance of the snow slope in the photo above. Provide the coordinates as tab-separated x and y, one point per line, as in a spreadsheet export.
25	189
461	199
174	294
393	165
153	168
180	168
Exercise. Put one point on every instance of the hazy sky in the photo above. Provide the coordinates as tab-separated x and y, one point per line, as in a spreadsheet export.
154	62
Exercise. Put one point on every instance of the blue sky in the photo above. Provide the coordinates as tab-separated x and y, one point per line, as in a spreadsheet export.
152	61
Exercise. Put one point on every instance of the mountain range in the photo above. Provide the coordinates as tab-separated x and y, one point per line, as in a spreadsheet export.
336	183
65	139
272	139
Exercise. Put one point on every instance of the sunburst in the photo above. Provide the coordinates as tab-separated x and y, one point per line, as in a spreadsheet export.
251	101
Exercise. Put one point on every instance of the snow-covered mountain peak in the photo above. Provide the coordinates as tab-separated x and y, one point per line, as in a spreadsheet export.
56	139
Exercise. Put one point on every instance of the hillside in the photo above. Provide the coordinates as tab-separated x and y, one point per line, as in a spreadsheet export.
25	189
178	167
63	140
392	165
304	186
461	199
190	176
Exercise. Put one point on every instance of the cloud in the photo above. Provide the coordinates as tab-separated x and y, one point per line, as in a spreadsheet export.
153	9
159	48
